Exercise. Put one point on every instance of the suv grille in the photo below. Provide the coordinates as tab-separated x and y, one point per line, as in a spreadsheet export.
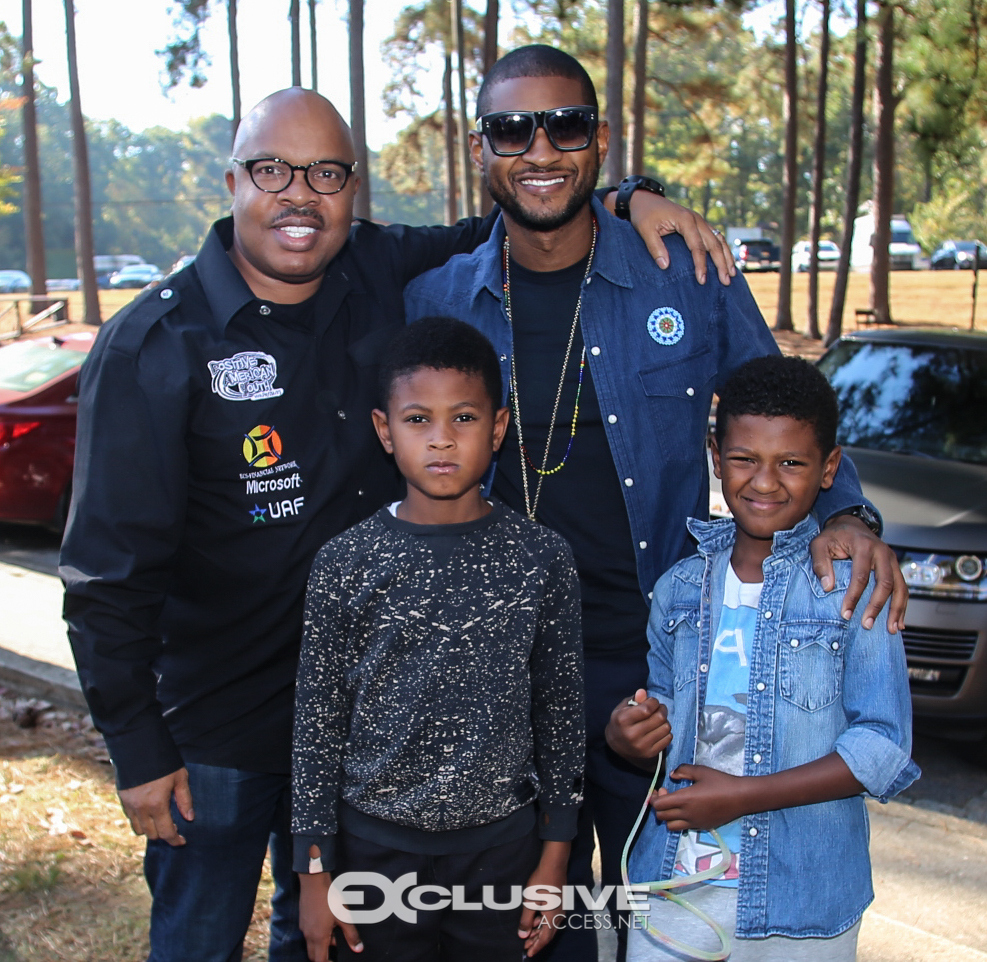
933	643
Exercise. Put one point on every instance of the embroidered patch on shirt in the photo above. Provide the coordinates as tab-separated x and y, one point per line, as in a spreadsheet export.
666	326
247	376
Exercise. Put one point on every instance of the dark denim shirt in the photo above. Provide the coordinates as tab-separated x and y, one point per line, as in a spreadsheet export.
659	344
818	684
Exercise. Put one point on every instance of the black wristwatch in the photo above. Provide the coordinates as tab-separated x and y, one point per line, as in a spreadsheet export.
622	206
866	514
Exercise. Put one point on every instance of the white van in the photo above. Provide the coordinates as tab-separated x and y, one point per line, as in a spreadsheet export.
903	249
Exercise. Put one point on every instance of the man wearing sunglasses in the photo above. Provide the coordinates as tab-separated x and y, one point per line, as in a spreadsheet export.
610	367
224	436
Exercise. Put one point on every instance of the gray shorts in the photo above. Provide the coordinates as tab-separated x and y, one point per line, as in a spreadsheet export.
720	903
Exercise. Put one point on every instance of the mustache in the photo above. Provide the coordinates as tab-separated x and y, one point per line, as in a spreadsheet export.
309	212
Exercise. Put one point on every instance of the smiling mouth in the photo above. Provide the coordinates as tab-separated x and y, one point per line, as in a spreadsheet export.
297	232
540	182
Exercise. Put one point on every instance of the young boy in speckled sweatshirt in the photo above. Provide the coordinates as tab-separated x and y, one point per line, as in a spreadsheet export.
439	717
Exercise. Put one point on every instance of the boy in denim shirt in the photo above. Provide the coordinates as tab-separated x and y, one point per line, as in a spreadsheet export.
781	714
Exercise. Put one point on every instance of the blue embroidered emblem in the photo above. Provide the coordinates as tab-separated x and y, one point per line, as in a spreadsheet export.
666	326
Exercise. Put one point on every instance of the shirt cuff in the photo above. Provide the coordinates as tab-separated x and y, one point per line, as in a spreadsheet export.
303	863
557	823
880	765
143	755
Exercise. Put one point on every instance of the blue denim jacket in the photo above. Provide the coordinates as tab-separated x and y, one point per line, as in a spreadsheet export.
817	684
654	388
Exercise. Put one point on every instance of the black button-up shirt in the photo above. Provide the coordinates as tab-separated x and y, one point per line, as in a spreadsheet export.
222	440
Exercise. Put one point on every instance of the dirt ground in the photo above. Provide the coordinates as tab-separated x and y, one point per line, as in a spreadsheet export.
71	882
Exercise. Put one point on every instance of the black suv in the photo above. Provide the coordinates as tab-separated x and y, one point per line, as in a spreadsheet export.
757	255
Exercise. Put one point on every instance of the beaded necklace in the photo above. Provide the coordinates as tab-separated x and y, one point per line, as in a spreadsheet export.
531	505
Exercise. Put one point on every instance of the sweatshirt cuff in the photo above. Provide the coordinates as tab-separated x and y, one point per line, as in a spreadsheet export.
143	755
303	863
557	823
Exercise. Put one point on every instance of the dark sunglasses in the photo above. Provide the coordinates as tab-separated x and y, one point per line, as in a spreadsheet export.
512	132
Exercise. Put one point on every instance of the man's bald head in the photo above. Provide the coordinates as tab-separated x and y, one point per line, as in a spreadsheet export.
288	108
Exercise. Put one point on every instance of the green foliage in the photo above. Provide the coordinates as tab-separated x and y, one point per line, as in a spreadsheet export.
184	55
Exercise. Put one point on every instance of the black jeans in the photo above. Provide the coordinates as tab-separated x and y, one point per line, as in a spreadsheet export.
614	793
442	934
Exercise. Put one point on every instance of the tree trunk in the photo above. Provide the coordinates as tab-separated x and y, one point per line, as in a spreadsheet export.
313	51
818	173
34	236
85	249
449	129
635	161
464	147
490	22
854	164
234	64
615	90
358	110
294	15
783	319
885	103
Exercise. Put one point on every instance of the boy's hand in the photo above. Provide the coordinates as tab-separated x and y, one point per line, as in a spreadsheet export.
638	732
848	537
713	799
538	926
148	806
316	919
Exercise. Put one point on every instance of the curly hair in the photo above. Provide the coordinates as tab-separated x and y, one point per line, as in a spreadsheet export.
776	386
535	60
441	344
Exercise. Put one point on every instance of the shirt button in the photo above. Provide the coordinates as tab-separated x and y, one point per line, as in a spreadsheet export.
671	622
342	414
704	668
265	310
752	832
767	614
760	686
612	418
644	544
794	642
757	758
589	280
594	351
629	482
166	293
836	646
503	357
690	391
699	624
651	595
360	493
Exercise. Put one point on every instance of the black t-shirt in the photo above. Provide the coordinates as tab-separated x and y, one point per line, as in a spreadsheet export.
583	501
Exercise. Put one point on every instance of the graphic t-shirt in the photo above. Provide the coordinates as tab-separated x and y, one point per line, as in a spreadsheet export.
723	722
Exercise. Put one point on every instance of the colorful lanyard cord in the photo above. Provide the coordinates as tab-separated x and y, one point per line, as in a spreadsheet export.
664	887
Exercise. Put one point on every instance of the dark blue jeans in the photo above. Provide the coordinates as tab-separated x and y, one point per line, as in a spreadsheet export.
614	792
204	892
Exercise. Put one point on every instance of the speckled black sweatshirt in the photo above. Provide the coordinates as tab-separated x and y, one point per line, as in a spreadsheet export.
440	684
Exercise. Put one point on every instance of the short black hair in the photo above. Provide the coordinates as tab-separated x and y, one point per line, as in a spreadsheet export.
535	60
776	386
442	344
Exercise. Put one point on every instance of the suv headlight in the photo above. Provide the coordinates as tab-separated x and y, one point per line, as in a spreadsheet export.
933	575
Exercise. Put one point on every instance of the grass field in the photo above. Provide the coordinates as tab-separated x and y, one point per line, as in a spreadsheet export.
941	298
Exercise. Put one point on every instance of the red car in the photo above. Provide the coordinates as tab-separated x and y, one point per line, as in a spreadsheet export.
37	425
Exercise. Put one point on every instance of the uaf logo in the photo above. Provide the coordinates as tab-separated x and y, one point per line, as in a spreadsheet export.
262	446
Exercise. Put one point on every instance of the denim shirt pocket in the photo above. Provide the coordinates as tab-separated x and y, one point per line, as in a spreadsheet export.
682	627
678	395
810	663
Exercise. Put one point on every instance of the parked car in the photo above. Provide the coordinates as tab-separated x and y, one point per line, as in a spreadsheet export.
827	256
955	255
912	418
756	255
14	282
38	379
107	265
56	284
182	261
136	275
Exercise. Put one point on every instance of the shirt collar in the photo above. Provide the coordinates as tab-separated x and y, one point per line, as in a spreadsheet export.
720	533
610	260
227	293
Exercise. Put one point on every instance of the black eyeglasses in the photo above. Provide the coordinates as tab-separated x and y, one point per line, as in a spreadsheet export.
512	132
273	175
